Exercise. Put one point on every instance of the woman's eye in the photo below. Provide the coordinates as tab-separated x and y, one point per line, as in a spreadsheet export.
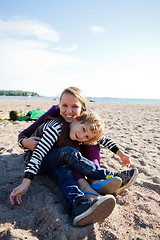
64	105
75	106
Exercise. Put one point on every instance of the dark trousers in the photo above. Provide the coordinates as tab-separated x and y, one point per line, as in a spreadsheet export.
58	164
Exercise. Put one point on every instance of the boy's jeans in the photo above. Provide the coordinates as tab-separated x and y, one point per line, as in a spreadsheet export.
71	157
63	175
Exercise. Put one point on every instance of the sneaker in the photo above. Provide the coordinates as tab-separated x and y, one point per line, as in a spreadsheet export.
128	178
110	185
93	211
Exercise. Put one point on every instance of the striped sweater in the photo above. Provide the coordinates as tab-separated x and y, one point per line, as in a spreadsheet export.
51	132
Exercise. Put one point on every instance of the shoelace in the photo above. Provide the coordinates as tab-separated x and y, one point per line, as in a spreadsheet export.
110	176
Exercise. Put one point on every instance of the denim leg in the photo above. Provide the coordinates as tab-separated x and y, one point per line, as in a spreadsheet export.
67	184
72	157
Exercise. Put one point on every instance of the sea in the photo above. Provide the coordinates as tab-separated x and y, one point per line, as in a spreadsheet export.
89	99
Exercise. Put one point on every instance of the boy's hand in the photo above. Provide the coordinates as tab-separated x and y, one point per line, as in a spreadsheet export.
19	191
126	161
124	158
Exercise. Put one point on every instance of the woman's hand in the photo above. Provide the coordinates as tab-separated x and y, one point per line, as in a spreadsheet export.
30	143
20	191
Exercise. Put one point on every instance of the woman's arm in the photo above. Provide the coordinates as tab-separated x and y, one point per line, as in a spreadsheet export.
24	138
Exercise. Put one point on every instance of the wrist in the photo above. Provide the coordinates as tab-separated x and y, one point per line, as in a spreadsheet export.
26	182
20	142
120	153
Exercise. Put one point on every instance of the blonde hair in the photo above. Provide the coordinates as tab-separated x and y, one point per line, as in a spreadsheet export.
96	125
76	92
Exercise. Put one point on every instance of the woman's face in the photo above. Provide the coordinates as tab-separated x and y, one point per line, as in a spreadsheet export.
70	107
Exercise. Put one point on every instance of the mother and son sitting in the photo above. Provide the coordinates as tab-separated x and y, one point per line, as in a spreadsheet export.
68	137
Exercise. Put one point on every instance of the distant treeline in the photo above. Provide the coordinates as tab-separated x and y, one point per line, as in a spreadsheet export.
17	93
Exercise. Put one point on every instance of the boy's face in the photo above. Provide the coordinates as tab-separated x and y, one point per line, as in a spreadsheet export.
80	131
70	107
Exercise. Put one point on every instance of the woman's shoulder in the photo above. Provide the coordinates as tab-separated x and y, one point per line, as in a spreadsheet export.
54	108
53	111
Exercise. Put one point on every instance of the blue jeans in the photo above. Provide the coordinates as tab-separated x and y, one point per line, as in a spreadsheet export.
71	157
66	182
62	156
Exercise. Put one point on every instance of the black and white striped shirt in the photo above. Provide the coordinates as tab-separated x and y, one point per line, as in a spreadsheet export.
51	132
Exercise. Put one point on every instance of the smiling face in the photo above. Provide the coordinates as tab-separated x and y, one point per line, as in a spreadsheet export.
70	107
80	131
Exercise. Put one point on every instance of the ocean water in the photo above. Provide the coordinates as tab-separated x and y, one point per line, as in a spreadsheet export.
90	99
125	100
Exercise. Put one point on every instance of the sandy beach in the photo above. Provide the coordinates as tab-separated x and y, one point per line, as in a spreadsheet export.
44	214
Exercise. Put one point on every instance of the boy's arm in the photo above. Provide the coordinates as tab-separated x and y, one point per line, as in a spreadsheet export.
51	132
20	191
107	142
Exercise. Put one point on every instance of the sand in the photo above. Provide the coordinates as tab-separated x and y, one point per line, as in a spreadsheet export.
44	214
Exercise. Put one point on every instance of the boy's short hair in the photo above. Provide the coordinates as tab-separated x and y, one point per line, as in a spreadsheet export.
96	125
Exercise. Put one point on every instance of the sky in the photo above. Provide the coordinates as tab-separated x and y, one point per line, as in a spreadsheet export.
106	48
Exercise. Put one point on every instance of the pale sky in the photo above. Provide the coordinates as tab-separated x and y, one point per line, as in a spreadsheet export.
106	48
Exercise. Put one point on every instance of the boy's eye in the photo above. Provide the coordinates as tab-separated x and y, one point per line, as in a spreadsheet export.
83	128
64	105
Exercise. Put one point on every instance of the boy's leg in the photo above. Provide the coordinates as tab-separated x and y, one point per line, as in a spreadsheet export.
92	153
73	158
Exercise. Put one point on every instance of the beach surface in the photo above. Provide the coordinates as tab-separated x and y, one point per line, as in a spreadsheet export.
43	213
